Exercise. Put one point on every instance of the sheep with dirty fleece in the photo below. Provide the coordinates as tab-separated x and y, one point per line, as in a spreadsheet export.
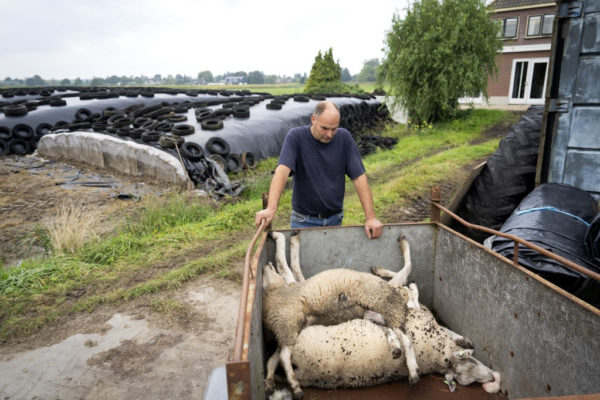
357	353
328	296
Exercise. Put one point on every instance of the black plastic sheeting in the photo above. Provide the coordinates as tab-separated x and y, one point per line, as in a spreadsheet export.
555	217
232	129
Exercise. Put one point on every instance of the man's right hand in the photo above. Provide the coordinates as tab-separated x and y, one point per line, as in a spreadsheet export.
266	214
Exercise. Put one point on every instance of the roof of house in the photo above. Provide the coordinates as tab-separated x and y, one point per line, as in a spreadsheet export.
499	4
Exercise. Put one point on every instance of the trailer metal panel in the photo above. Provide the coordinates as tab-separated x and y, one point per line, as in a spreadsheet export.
543	340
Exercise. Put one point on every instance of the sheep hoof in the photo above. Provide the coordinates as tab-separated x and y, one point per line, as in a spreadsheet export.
269	387
294	233
396	353
413	380
298	394
401	238
464	343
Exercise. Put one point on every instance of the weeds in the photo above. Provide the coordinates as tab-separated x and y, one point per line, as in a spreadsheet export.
71	227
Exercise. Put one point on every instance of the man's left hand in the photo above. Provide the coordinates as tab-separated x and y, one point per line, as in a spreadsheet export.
373	228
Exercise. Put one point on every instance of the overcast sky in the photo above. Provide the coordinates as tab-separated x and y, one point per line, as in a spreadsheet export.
97	38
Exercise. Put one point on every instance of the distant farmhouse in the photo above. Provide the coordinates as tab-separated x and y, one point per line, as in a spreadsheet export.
527	27
234	80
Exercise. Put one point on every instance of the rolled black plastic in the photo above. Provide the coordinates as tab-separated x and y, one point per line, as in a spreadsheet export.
555	217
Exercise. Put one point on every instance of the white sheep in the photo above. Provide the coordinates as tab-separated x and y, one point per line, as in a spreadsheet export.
356	353
330	297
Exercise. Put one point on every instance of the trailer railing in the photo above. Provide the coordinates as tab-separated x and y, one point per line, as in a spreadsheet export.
436	207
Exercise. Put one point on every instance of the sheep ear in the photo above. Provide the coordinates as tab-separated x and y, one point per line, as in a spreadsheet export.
462	354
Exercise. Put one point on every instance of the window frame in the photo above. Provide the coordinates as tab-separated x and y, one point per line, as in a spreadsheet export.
541	27
503	28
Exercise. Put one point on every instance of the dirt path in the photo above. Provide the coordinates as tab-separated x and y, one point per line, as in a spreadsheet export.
130	355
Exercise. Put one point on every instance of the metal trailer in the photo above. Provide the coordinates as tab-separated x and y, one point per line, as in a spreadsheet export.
543	340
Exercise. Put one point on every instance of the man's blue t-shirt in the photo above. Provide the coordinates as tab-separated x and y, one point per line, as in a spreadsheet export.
319	169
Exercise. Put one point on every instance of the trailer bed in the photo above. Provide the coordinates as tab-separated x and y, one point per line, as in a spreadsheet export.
542	340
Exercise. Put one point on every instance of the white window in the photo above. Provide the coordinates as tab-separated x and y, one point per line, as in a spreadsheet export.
540	25
528	81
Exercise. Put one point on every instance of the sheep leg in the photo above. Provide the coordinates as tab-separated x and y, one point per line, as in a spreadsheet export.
390	335
402	276
271	279
280	260
374	317
460	340
295	257
397	279
413	297
393	341
383	273
411	359
286	362
271	366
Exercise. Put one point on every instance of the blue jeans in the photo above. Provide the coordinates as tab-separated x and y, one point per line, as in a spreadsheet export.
298	220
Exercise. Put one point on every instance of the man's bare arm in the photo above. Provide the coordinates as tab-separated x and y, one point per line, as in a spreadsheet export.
373	227
277	185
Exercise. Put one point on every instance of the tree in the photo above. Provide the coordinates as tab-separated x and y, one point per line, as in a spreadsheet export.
270	79
205	77
325	75
97	81
368	73
35	80
78	82
65	82
441	51
346	77
113	80
256	77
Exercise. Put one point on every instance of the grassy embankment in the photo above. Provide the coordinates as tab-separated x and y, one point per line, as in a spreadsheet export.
170	240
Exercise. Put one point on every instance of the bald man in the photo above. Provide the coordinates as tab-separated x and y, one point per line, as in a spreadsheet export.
319	156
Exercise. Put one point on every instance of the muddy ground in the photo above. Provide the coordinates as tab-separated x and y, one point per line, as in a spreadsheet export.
122	352
125	351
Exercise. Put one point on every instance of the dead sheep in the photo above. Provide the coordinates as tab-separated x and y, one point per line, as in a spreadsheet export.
356	354
332	296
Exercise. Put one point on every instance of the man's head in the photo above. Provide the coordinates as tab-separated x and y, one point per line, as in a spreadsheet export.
325	121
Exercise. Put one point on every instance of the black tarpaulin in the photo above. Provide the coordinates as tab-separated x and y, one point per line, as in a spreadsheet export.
555	217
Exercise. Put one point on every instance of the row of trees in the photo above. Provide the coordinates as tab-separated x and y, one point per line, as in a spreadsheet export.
203	78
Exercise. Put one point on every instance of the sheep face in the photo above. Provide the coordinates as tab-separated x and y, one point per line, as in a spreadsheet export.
466	369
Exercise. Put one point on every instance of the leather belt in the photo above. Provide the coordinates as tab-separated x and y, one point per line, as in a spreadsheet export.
323	215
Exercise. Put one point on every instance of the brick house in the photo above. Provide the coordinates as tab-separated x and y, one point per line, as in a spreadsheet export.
527	27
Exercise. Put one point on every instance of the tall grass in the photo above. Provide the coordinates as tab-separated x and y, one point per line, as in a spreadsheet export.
72	226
